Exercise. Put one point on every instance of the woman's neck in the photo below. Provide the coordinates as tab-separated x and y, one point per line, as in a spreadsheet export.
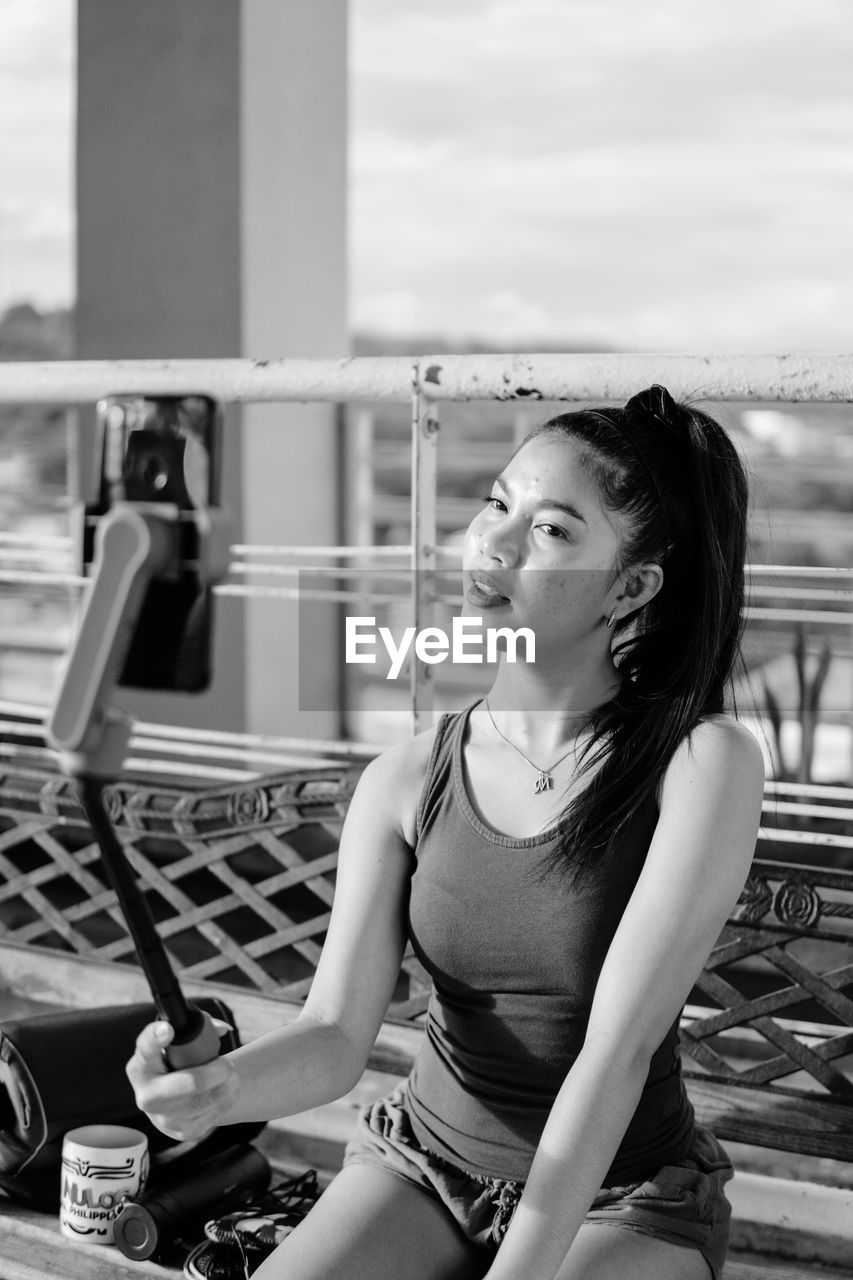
535	707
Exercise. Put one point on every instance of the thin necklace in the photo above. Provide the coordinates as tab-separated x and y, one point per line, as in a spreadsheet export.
544	780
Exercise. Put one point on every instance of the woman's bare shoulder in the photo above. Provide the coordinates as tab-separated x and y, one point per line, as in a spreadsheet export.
396	777
726	730
718	745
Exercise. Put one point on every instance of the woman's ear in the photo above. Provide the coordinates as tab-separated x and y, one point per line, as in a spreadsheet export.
642	584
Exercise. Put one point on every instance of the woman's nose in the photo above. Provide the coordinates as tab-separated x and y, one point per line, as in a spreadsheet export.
500	542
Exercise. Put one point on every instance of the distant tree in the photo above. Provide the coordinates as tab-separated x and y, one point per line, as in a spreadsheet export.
808	711
37	431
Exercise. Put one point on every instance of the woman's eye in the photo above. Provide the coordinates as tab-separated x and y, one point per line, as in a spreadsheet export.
490	500
553	531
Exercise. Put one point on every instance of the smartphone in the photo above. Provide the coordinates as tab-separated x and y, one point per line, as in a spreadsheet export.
164	449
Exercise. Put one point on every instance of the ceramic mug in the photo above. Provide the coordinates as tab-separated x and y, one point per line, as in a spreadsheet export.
101	1165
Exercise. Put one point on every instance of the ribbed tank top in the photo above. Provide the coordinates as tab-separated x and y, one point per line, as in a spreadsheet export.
514	958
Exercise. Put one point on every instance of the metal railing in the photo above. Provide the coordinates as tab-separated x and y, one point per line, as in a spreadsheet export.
425	384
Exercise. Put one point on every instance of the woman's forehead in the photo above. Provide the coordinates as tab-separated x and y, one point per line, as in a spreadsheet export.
549	460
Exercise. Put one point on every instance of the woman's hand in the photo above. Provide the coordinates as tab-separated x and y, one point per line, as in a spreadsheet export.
184	1104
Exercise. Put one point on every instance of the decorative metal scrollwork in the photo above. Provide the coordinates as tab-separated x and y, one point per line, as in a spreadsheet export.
52	793
113	803
798	904
755	900
249	807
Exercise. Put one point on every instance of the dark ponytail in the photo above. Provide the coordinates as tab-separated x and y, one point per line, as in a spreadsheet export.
674	480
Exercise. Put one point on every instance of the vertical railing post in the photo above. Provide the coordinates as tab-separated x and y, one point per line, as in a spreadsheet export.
359	469
425	426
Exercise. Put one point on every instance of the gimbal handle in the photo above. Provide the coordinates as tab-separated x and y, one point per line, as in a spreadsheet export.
134	543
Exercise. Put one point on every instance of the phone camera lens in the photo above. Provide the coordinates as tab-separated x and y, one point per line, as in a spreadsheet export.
155	474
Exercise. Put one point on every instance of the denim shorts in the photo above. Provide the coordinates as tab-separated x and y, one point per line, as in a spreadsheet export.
684	1203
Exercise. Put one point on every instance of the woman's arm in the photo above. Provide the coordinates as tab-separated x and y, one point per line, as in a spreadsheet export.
324	1051
697	862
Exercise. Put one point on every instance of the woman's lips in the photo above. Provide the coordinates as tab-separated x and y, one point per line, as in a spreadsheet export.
484	594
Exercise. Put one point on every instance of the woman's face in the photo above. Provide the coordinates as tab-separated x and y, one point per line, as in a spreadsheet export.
541	553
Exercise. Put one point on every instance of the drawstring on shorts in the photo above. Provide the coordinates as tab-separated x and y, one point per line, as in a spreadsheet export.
505	1196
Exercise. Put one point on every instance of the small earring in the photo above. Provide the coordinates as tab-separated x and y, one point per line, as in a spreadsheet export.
612	616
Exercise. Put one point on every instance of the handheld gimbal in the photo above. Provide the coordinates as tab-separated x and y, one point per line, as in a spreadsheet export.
156	540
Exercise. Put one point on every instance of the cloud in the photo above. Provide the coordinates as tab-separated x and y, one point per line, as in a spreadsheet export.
36	197
673	175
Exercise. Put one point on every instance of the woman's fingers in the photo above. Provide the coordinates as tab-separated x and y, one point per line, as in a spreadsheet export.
186	1103
150	1043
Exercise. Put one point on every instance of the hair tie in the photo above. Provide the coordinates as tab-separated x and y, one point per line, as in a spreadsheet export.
655	403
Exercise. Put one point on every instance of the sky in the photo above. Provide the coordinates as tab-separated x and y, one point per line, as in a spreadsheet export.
666	176
36	152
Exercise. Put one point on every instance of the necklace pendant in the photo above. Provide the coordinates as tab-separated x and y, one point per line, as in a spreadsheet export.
544	782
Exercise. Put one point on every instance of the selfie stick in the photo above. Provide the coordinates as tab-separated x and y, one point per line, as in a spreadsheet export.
135	543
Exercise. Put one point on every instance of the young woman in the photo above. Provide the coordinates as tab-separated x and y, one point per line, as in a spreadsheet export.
563	855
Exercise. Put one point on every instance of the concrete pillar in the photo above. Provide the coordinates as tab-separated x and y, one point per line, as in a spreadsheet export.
211	207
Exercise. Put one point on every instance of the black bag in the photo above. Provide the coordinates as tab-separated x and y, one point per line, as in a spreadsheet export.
61	1070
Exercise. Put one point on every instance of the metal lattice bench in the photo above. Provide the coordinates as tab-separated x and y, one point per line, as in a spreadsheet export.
241	877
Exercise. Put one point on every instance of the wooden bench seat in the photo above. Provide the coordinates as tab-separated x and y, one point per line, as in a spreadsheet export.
31	1248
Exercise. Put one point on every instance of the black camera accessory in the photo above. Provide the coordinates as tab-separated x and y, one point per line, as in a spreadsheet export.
154	523
146	1226
61	1070
161	456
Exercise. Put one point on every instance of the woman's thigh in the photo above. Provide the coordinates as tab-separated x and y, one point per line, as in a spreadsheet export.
609	1252
373	1225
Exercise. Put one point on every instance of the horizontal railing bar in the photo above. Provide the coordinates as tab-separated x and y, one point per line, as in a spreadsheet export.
246	743
400	550
30	577
32	641
179	733
202	749
793	377
617	376
800	570
188	768
60	540
32	710
808	810
210	751
797	615
25	578
233	380
802	593
298	593
204	772
36	554
805	837
323	571
812	789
